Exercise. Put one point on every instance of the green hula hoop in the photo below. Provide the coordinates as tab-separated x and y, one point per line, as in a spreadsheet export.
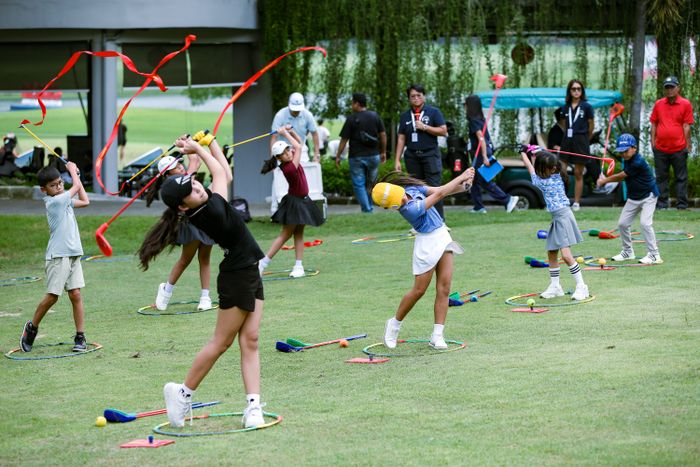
144	310
382	239
511	301
680	236
458	345
275	420
283	275
92	346
19	281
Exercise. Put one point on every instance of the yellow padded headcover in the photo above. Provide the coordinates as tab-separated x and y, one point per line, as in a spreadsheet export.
388	195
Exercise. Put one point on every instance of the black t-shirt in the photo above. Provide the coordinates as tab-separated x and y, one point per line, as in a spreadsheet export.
365	121
477	124
225	226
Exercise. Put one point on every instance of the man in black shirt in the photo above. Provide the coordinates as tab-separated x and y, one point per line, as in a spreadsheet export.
365	131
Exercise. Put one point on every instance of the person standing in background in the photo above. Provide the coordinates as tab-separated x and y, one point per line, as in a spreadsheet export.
303	123
670	141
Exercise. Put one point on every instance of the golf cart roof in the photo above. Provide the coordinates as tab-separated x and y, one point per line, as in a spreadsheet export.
528	98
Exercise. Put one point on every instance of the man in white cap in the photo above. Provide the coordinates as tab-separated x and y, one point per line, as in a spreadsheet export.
303	122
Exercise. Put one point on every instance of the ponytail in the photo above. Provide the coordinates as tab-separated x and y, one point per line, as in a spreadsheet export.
269	165
401	179
153	190
161	235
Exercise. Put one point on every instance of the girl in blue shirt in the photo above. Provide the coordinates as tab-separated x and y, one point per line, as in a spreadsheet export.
549	176
433	247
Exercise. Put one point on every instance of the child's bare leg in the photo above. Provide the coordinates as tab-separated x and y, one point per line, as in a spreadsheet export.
443	272
44	306
299	242
285	234
553	258
204	257
567	256
420	285
76	300
250	356
188	252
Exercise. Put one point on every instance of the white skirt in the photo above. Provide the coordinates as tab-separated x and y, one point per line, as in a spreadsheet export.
428	248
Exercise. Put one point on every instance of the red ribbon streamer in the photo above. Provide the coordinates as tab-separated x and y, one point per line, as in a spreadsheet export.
256	76
150	77
499	80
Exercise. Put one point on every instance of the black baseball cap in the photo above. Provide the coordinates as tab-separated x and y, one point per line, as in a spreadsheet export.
175	189
671	81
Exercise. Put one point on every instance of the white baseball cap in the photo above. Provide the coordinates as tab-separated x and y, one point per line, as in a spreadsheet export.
168	161
279	147
296	102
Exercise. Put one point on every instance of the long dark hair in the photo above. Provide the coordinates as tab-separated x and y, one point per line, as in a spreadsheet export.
402	179
154	189
568	91
269	165
163	234
474	109
545	161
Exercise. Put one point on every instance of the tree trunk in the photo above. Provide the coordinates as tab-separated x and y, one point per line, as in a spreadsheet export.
635	114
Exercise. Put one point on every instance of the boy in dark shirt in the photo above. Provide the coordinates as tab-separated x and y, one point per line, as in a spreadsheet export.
642	194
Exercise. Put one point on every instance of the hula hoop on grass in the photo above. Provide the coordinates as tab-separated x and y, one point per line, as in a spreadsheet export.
182	434
679	236
92	346
283	275
452	346
382	238
144	310
610	265
545	302
19	281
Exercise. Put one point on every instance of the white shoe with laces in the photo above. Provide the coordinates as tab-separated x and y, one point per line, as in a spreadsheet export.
297	271
512	202
651	259
177	404
391	335
624	255
204	303
253	416
553	291
437	342
162	298
581	292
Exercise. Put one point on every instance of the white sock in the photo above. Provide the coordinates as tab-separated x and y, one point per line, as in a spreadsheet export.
253	399
438	329
554	275
576	272
205	293
298	263
186	392
169	287
395	322
265	261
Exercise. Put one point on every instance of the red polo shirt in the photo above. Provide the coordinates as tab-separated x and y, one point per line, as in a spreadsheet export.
669	119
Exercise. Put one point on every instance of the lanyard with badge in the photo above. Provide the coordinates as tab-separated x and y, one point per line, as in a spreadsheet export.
570	130
417	117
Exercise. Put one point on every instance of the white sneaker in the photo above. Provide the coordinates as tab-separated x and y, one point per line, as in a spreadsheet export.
512	202
437	342
651	259
163	297
176	404
581	292
253	416
391	335
624	255
297	271
553	291
204	304
575	207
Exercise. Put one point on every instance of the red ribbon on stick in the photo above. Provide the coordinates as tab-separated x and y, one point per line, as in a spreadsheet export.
257	75
499	80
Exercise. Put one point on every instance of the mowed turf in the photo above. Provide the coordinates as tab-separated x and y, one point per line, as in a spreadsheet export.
613	381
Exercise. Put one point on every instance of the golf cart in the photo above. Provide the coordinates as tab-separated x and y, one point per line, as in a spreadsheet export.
514	179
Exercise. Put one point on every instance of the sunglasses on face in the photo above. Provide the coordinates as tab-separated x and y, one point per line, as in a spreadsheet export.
576	89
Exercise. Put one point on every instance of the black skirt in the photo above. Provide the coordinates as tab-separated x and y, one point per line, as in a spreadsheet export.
578	144
294	210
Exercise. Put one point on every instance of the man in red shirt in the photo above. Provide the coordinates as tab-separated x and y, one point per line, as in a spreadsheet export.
670	142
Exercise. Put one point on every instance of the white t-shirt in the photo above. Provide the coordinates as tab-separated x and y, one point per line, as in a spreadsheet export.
64	239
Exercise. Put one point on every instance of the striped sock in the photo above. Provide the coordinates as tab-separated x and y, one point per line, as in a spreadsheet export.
575	271
554	275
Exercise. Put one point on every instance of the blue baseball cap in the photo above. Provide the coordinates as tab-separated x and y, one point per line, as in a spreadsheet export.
624	142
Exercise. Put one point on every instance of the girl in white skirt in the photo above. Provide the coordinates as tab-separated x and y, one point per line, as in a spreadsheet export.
433	247
549	176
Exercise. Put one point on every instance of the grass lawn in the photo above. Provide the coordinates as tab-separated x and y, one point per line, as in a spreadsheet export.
613	381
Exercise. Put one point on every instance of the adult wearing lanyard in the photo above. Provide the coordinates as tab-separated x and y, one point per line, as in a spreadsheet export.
579	120
419	128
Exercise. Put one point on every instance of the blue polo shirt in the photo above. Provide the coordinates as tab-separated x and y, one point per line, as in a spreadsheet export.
640	180
431	116
303	123
577	118
424	221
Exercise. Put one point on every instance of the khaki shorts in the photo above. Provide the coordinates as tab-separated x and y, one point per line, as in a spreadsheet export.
64	273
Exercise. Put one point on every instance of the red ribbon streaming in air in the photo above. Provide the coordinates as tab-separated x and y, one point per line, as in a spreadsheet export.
256	76
150	77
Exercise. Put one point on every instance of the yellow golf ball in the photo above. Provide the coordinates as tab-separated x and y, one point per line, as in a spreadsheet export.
579	259
531	302
602	261
100	421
